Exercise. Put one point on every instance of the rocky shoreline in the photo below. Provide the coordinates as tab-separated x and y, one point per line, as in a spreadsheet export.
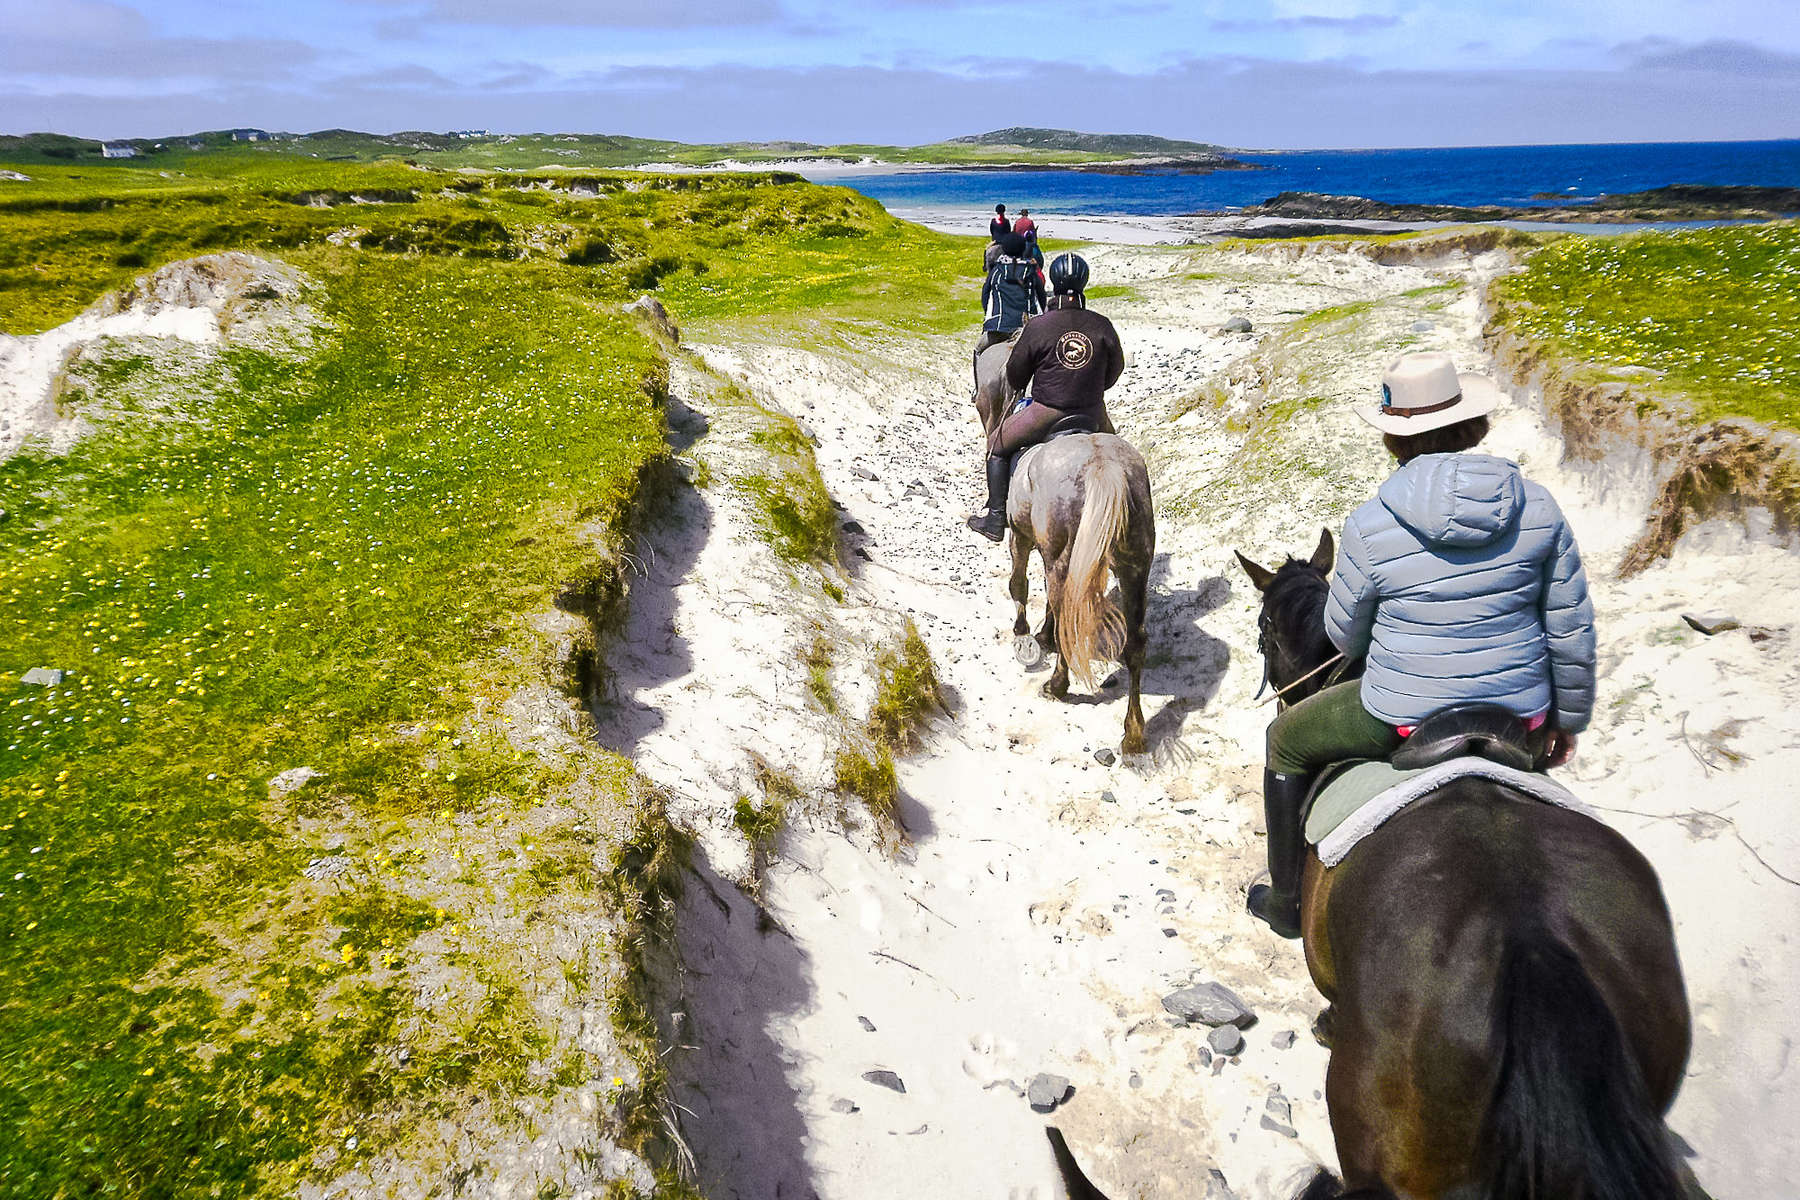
1677	202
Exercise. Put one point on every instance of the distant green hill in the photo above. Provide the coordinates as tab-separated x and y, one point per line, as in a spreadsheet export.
214	150
1093	143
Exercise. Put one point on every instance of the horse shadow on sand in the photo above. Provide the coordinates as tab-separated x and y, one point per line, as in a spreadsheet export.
739	971
1184	662
650	650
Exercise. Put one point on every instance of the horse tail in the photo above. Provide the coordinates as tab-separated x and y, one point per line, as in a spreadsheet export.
1088	623
1571	1113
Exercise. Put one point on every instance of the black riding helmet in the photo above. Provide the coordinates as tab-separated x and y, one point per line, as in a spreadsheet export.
1069	273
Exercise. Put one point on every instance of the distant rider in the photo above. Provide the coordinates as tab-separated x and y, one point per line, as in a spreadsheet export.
1462	584
1012	292
1067	358
1025	227
999	227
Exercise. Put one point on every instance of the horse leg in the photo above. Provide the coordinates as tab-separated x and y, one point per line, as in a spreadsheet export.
1056	575
1135	595
1020	585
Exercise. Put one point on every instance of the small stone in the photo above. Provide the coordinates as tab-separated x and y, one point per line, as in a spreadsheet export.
1136	1080
1166	895
1283	1128
886	1079
1107	797
1226	1039
292	780
1216	1186
1237	325
1710	623
43	676
865	474
1210	1004
1423	327
1283	1040
1105	757
1203	1056
868	1025
845	1105
1167	932
1046	1091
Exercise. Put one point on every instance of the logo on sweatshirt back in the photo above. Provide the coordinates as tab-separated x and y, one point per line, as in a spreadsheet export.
1074	350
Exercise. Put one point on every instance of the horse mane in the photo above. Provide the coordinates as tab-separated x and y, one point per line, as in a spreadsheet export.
1295	601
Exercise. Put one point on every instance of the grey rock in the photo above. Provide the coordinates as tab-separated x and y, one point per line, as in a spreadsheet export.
865	473
854	527
862	553
868	1025
1236	325
1283	1040
1277	1127
291	780
1105	757
331	866
1167	932
1277	1106
1046	1091
1166	895
1226	1039
1203	1056
886	1079
1422	327
1210	1004
1216	1187
1710	623
845	1105
1136	1080
651	309
1107	797
42	676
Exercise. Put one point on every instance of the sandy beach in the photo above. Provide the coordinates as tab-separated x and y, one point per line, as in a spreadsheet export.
862	1023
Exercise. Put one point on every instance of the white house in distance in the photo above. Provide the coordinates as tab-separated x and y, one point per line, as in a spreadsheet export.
117	150
249	135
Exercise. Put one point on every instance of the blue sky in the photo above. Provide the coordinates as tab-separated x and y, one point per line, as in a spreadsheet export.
1252	73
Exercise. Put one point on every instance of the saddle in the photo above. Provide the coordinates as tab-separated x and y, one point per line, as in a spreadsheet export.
1073	422
1483	731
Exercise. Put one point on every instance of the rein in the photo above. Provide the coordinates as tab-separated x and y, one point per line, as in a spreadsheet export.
1336	658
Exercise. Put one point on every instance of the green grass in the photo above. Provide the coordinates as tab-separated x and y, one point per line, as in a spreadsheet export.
713	246
330	562
907	694
314	576
1713	310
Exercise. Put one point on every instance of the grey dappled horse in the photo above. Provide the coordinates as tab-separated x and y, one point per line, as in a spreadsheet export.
1083	502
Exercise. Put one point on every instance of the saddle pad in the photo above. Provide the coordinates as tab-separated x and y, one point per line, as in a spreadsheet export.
1360	800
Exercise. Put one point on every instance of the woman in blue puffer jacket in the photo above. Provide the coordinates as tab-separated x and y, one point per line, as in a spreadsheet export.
1462	584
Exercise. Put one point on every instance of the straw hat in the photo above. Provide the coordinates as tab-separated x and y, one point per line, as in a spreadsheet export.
1421	392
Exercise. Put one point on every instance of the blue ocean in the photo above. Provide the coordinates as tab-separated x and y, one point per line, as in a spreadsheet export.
1503	175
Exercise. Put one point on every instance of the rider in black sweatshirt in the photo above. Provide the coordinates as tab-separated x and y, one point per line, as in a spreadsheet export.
1068	357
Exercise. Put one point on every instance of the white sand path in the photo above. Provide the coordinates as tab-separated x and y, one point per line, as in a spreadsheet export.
1047	901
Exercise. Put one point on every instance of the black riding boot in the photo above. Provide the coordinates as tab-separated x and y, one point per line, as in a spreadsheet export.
991	524
1277	903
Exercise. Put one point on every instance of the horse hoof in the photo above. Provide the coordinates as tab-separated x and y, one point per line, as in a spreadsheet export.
1027	651
1056	693
1133	745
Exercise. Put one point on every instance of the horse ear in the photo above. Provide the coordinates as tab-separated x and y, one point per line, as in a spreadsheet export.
1326	554
1262	577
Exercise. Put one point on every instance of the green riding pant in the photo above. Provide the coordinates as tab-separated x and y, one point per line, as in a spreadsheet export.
1327	727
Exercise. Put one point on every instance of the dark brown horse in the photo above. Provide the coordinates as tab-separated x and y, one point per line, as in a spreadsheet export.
1507	1011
